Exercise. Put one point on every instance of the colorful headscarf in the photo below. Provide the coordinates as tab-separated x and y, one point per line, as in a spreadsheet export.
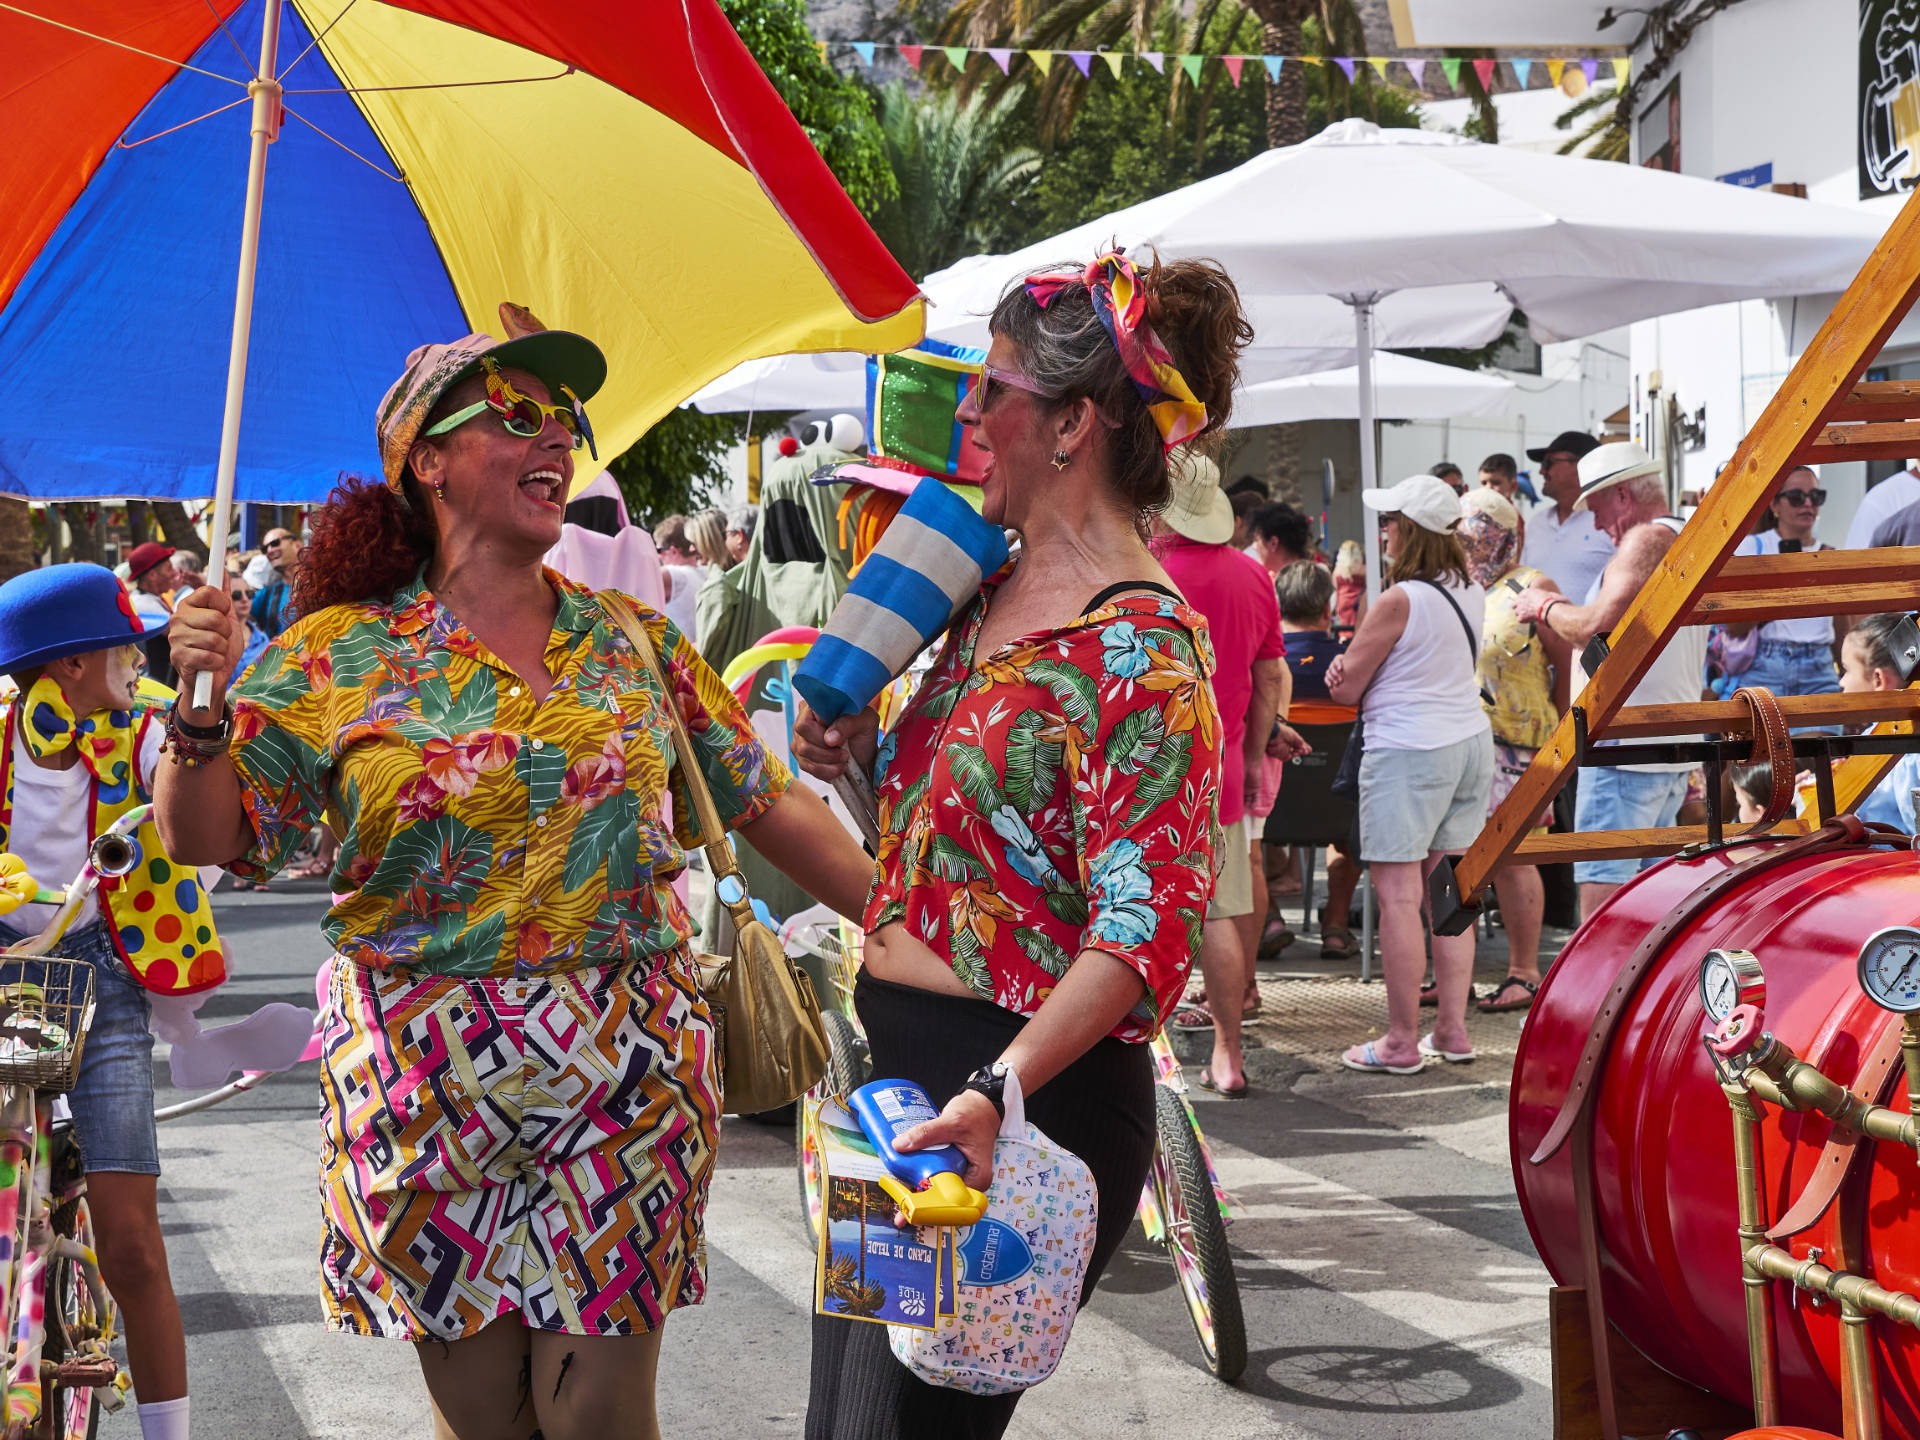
1121	303
1492	548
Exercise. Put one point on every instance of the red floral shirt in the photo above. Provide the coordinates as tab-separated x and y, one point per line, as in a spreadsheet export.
1058	797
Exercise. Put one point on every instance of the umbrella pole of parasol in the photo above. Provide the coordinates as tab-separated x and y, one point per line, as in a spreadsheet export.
265	90
1369	459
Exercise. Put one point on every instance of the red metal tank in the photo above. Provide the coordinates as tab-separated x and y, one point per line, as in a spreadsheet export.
1663	1137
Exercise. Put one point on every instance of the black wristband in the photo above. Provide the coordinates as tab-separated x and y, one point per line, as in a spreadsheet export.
206	734
991	1082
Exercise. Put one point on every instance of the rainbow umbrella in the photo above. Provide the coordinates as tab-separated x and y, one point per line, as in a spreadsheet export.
620	167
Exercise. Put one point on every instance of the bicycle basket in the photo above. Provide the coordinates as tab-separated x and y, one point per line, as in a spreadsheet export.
46	1005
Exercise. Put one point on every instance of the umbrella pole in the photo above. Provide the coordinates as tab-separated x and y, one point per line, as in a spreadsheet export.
1369	460
265	90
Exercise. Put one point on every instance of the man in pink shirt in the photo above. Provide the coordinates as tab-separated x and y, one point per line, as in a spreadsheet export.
1193	541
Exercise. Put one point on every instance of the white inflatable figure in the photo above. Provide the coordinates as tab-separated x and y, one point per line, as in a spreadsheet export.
840	432
271	1039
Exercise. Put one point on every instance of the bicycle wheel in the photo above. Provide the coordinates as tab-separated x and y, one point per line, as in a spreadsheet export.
847	1071
1196	1238
79	1319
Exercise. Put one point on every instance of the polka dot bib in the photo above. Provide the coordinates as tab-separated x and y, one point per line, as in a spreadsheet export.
158	916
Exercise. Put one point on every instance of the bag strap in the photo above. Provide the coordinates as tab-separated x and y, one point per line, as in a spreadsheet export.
1473	649
1121	587
720	856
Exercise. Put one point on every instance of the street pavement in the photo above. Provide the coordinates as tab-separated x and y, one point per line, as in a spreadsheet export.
1387	1278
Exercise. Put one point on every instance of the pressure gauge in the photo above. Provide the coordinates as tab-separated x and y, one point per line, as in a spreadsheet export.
1890	968
1730	978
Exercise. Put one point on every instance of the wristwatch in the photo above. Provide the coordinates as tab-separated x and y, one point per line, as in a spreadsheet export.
991	1081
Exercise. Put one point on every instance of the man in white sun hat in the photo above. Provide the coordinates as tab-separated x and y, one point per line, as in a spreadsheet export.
1623	487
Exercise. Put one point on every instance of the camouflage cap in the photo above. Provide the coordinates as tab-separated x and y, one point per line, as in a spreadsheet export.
556	357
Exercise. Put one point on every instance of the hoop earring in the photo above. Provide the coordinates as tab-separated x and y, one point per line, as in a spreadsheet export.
1061	459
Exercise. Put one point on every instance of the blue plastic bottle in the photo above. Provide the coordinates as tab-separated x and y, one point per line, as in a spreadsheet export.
931	1183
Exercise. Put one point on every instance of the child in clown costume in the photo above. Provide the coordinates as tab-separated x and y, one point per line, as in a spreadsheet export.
80	745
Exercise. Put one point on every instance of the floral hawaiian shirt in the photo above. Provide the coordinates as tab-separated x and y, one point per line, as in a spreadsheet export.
1060	797
482	833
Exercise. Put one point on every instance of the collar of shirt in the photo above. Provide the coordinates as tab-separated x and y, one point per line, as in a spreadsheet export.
416	611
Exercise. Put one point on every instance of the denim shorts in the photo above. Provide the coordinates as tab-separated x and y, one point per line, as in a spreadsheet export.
1416	801
1615	799
1787	668
113	1101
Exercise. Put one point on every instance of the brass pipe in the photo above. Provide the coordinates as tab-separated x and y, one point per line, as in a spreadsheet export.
1859	1392
1910	1058
1761	1349
1794	1077
1849	1289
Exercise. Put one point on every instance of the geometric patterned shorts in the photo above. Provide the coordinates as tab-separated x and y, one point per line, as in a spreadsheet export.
493	1146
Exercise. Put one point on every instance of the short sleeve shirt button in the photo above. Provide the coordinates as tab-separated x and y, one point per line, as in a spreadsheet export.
541	822
539	744
514	692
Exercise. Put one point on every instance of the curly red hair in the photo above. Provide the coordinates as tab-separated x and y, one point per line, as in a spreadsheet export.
366	544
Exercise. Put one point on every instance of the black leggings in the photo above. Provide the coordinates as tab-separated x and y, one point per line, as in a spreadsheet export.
1100	1108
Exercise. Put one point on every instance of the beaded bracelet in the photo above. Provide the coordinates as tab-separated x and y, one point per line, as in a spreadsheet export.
193	746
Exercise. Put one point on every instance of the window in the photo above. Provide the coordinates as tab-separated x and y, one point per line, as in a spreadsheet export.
1660	130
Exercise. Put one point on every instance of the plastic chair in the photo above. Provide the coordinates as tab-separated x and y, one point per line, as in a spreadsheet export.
1309	814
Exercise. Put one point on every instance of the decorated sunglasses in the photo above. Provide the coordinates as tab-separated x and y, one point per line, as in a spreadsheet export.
1804	497
522	414
1013	379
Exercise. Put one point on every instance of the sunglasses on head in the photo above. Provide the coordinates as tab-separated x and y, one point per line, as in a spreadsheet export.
522	414
1804	497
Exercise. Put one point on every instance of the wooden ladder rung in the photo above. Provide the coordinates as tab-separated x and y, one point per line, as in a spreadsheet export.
1732	717
1875	440
1631	844
1795	602
1815	567
1881	400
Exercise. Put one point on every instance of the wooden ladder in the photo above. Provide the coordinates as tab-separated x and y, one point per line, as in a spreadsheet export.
1824	412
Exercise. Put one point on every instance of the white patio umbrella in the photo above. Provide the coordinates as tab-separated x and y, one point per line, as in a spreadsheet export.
1403	389
1372	217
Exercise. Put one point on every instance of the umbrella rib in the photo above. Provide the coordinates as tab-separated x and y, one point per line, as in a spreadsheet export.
122	45
288	69
219	20
134	144
399	179
440	85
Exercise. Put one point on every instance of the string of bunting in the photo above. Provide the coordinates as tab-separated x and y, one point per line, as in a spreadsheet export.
1082	60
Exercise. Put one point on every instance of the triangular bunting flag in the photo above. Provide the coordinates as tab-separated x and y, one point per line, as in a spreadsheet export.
1620	68
1233	64
956	56
1521	69
864	49
1484	69
821	46
1379	66
1346	67
1157	59
1042	59
1319	60
1588	68
1114	59
911	54
1081	59
1417	69
1555	69
1191	64
1001	58
1272	62
1452	69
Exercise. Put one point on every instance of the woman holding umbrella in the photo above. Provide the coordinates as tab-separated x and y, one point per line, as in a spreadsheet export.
520	1105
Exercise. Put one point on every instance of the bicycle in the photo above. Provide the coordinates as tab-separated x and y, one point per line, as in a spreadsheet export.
1183	1208
59	1319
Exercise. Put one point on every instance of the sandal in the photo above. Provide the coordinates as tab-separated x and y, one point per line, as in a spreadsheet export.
1430	994
1493	1002
1368	1062
1337	943
1238	1092
1192	1016
1434	1052
1275	939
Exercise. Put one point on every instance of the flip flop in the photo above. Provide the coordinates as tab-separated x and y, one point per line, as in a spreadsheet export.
1434	1052
1491	1003
1206	1083
1430	994
1370	1063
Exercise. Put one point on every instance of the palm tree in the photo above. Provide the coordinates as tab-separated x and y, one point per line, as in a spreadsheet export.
16	537
1604	136
959	170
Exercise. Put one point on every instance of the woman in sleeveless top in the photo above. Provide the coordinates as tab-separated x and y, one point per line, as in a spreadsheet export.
1047	801
1524	674
1428	763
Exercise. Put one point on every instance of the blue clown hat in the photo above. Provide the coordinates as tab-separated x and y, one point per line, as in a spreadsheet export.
62	610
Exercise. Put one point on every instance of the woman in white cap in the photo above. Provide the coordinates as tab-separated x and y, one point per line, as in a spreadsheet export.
1428	763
